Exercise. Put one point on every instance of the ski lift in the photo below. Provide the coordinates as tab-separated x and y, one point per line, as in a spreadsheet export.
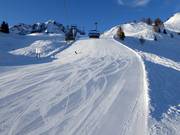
94	33
70	34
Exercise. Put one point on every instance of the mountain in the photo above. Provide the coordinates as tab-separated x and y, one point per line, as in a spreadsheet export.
21	29
173	23
50	26
133	30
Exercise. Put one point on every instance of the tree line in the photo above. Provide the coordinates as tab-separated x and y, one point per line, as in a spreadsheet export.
157	26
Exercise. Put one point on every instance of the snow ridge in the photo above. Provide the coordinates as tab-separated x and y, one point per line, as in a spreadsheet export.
160	60
50	26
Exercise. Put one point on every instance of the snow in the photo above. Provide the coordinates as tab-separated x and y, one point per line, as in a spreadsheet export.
162	62
100	90
50	26
21	29
92	86
19	50
135	30
173	23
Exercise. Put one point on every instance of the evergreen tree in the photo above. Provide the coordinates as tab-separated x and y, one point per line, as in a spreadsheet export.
155	38
155	28
164	31
158	25
120	33
149	21
4	27
158	22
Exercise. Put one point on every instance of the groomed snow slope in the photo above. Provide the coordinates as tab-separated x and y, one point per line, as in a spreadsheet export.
162	61
101	90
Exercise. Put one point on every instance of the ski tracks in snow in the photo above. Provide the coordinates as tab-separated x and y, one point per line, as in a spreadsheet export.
88	96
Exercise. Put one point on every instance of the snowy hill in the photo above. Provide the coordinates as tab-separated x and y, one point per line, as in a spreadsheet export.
133	30
20	50
162	61
21	29
47	27
73	93
173	23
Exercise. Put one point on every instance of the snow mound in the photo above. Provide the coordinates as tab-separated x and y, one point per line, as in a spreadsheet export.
45	46
133	30
139	29
173	23
20	50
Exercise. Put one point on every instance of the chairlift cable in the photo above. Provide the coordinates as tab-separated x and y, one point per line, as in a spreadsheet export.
66	11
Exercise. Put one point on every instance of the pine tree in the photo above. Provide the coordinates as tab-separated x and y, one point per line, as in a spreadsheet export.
149	21
155	38
158	22
164	31
4	27
158	25
120	33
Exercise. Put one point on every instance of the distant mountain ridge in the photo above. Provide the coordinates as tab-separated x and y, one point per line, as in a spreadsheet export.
50	26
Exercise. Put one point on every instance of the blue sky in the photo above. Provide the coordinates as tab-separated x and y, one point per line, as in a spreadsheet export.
85	12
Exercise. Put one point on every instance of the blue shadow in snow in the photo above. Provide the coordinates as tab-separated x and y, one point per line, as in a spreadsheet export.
19	60
164	88
164	82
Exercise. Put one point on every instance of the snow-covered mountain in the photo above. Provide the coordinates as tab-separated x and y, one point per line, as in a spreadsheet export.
50	26
173	23
133	30
21	29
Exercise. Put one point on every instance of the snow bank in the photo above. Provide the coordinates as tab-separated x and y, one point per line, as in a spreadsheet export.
135	30
173	23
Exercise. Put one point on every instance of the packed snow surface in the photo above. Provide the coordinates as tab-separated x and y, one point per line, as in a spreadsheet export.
99	90
162	62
